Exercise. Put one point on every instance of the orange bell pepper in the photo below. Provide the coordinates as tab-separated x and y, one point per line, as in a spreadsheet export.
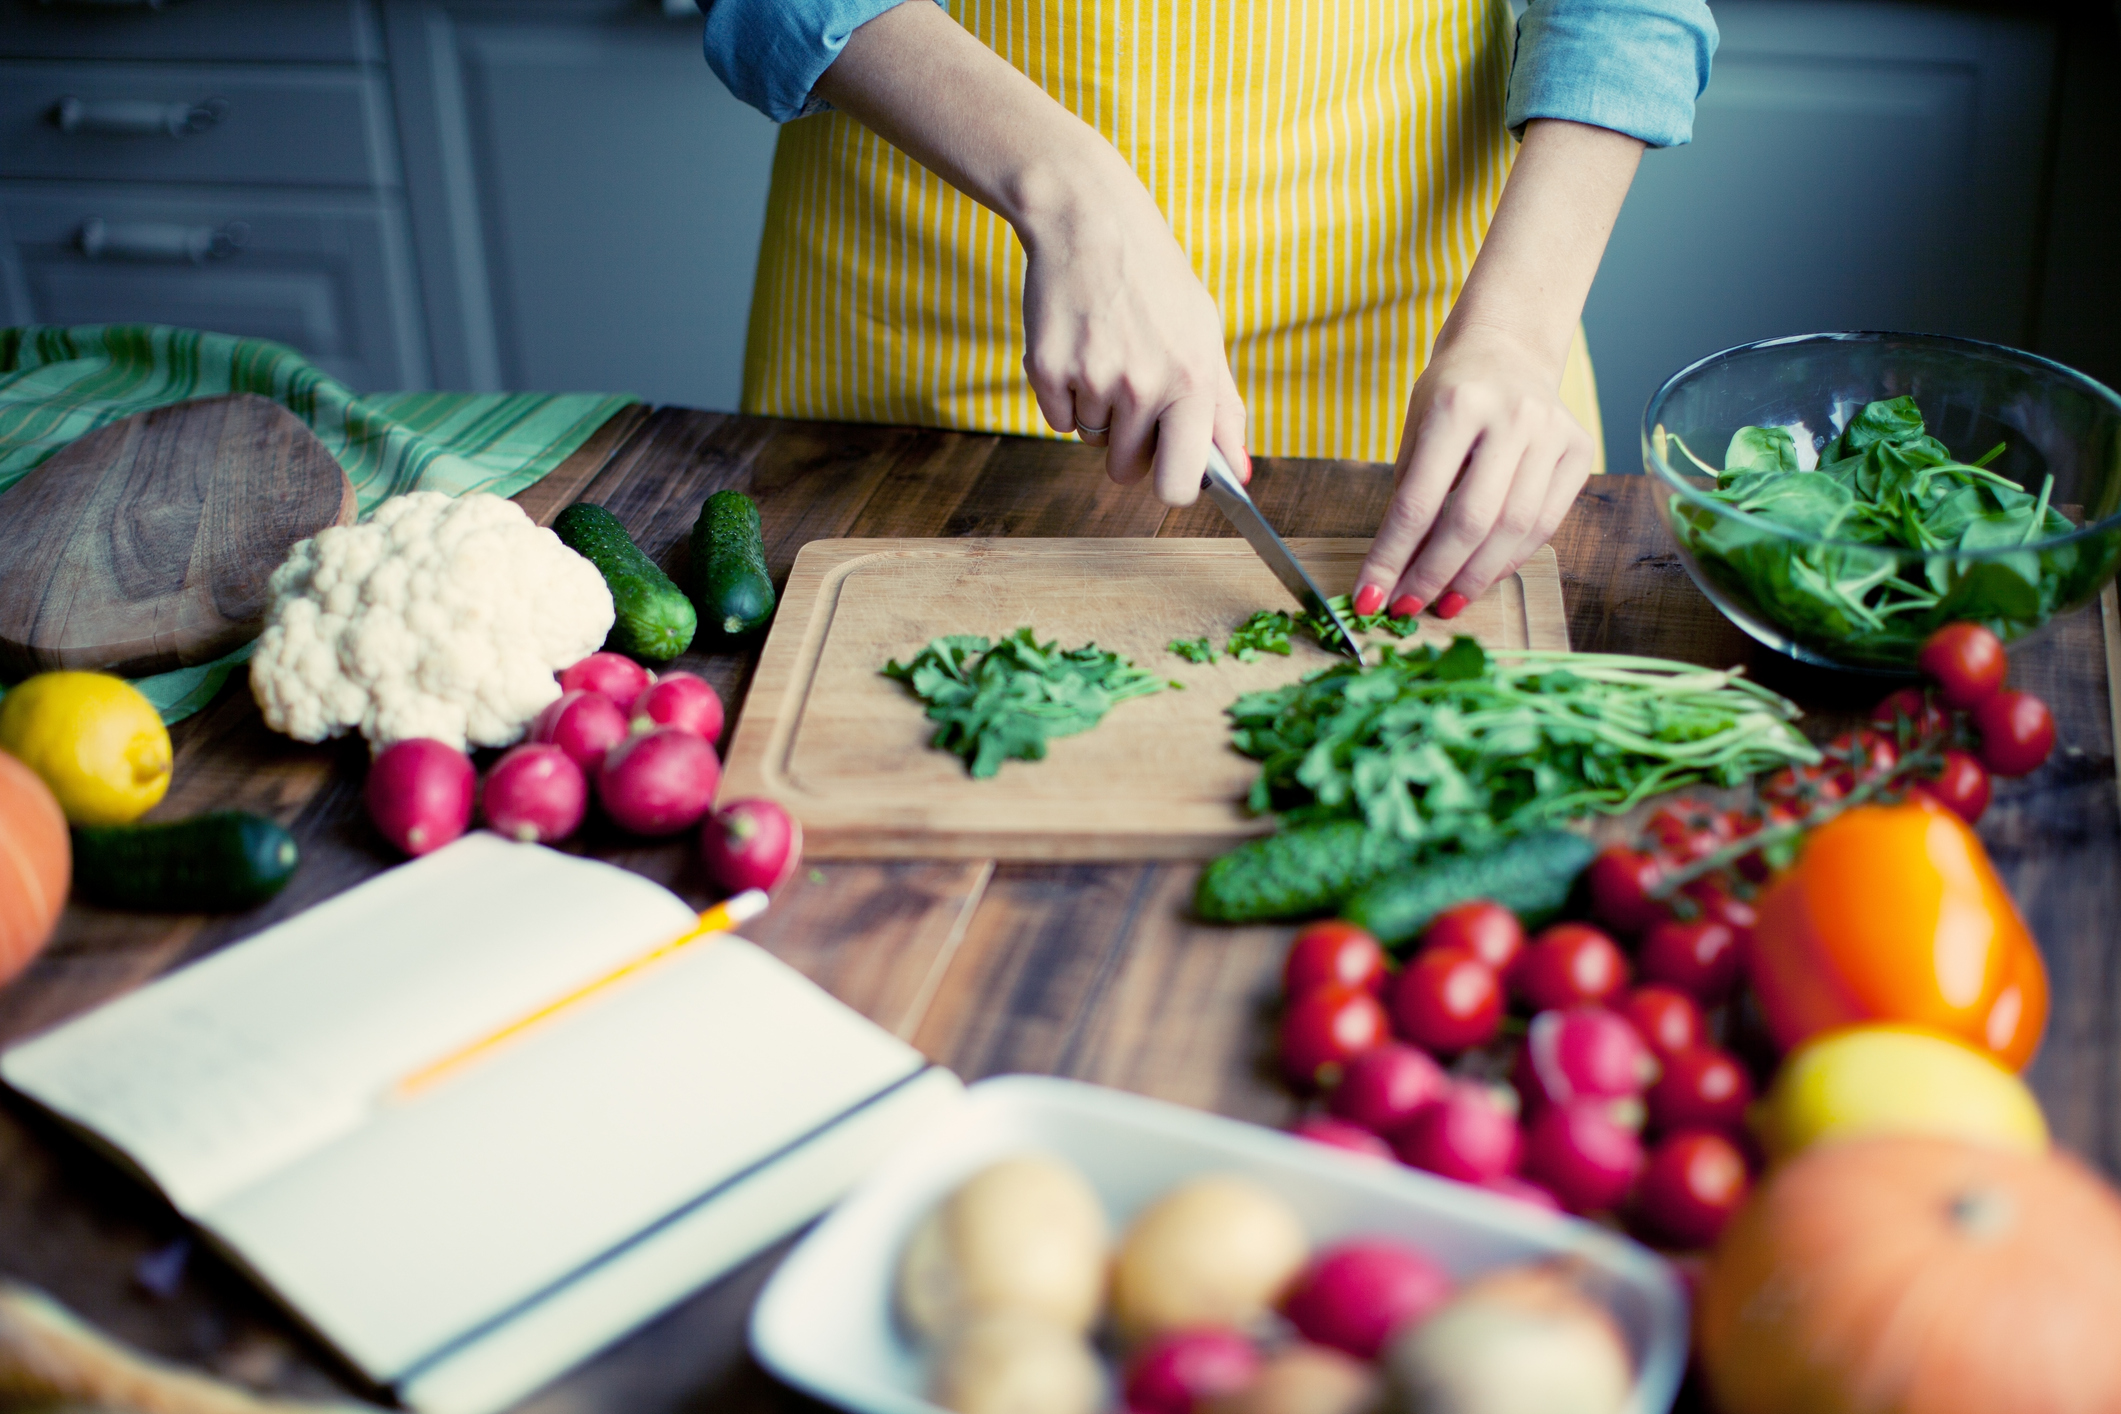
1894	913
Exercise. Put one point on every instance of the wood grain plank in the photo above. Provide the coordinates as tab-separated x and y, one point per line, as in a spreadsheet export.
559	488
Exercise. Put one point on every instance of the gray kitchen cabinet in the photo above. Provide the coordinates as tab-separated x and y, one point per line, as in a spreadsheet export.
1854	166
587	198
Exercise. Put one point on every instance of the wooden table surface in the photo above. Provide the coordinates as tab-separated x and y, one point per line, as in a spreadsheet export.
1091	971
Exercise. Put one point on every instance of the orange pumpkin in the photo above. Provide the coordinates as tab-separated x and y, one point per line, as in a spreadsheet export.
1917	1275
35	864
1894	913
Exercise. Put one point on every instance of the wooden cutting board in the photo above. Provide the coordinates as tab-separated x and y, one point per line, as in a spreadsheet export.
147	544
845	748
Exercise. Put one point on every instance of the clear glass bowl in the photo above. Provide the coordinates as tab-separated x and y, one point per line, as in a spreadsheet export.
1801	593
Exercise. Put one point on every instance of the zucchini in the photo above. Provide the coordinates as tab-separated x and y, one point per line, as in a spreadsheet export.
1530	875
1297	872
729	580
215	863
654	620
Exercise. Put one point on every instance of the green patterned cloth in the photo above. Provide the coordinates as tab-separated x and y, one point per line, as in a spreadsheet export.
58	383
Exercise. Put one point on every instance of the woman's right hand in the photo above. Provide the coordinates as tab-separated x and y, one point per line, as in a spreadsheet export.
1123	344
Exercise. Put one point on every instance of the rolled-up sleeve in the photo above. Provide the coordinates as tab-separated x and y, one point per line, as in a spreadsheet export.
1635	66
771	53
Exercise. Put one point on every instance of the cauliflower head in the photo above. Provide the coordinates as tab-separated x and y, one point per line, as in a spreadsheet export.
437	616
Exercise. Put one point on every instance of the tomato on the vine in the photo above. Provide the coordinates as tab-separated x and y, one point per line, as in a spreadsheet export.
1483	927
1687	830
1962	787
1333	953
1966	662
2017	733
1802	788
1713	897
1868	754
1912	717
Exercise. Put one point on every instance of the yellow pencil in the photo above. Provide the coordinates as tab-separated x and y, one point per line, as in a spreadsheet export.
730	913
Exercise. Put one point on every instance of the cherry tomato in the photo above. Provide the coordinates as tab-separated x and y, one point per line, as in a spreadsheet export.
1333	953
1483	928
1704	1088
1668	1019
1965	661
1962	787
1620	880
1691	1185
1448	1001
1566	964
1687	830
1868	754
2017	733
1800	789
1697	956
1911	717
1713	897
1326	1028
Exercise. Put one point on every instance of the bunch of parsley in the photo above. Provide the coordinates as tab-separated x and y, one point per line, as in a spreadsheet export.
997	702
1458	747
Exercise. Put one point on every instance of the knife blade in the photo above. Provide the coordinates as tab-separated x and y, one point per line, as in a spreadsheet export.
1237	506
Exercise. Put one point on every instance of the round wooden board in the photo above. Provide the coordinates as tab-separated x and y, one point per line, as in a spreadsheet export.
147	545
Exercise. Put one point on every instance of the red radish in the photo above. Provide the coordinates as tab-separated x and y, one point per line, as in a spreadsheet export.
1620	880
1585	1152
1509	1185
1182	1371
1483	927
1665	1017
1566	964
1333	952
1447	1001
1354	1295
613	674
750	844
1692	1184
659	782
420	792
1583	1053
1323	1030
583	724
1340	1134
679	700
1470	1134
1702	1089
1383	1087
535	793
1699	957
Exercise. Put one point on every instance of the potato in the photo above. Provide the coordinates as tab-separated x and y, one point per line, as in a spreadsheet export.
1013	1362
1522	1340
1305	1379
1215	1251
1025	1234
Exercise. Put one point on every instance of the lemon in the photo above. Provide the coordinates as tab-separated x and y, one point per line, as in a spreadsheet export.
94	739
1896	1080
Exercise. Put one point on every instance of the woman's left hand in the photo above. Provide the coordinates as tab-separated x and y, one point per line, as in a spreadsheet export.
1489	464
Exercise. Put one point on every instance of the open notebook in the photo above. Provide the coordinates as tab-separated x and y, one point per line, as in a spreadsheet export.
466	1242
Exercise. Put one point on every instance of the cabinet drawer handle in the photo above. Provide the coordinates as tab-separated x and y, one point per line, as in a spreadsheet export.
137	117
159	240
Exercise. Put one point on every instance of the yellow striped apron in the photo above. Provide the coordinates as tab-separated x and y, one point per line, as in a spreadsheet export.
1329	166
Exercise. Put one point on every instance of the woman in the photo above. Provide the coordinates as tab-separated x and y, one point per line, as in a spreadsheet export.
1293	225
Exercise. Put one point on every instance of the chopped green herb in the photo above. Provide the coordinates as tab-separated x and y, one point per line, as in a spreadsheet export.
1265	632
1321	628
1455	747
997	702
1193	650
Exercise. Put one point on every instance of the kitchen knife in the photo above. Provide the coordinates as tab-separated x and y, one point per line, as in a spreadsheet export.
1237	506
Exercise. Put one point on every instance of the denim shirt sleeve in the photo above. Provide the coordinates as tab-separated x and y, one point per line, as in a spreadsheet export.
771	53
1635	66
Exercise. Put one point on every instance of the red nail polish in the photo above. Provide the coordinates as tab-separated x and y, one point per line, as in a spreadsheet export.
1368	598
1406	606
1449	606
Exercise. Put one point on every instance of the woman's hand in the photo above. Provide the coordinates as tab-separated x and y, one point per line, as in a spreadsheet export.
1123	343
1490	460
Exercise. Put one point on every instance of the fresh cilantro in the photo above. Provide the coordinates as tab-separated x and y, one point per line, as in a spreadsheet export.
1458	746
1193	650
1265	632
1321	628
997	702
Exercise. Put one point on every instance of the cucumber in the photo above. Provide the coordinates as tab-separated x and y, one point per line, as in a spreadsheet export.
215	863
1298	872
1530	875
654	619
729	580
